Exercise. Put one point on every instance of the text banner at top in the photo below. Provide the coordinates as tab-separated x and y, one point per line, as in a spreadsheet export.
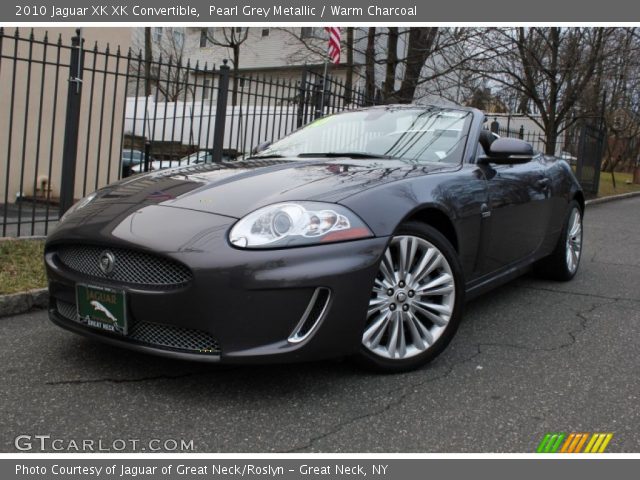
78	12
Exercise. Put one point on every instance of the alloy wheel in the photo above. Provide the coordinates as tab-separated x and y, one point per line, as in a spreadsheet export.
412	299
574	240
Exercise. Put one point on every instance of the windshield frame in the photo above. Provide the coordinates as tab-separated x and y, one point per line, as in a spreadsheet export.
469	116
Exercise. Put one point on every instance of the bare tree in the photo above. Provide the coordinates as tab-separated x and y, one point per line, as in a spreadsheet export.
422	43
348	85
618	92
231	38
409	58
370	58
549	68
163	60
312	43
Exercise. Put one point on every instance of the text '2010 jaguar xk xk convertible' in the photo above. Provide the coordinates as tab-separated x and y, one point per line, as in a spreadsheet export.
360	234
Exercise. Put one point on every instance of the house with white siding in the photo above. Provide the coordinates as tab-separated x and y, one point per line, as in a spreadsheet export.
277	54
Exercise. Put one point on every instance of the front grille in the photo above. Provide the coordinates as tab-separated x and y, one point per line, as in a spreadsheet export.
67	310
130	266
174	337
158	335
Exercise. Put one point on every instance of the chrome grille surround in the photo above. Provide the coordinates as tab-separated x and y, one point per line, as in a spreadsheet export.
130	266
157	334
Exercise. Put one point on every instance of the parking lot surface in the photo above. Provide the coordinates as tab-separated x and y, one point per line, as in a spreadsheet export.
531	357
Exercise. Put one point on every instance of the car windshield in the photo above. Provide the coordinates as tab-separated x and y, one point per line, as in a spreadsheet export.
415	134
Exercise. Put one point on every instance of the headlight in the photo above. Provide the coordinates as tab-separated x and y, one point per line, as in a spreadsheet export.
77	206
297	223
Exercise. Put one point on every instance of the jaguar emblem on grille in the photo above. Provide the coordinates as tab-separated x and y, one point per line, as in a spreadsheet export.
106	262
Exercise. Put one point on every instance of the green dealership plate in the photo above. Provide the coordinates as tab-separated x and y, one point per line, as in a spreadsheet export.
102	307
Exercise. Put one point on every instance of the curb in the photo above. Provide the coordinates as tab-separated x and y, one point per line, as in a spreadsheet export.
17	303
612	198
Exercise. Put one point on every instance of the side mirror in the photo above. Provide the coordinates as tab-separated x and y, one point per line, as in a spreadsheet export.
505	151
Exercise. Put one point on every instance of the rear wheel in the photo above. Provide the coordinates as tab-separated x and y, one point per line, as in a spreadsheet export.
563	263
416	301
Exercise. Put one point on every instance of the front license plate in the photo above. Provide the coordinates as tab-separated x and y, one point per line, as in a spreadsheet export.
102	307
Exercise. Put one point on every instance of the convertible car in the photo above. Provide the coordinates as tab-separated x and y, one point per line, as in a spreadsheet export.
361	234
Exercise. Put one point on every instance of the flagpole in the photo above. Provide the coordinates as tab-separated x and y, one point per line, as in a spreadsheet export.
324	86
333	55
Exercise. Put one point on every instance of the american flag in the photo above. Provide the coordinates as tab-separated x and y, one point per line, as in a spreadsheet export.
334	44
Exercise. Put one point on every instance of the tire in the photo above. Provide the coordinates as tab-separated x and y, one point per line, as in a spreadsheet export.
563	263
405	328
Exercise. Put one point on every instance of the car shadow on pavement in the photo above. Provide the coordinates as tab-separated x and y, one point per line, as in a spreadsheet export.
89	361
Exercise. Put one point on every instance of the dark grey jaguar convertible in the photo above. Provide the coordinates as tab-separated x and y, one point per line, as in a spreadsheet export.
360	234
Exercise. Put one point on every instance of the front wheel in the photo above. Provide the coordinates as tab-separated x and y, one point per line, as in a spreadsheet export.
416	301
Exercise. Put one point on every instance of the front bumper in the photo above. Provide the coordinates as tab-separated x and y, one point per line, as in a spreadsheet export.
249	301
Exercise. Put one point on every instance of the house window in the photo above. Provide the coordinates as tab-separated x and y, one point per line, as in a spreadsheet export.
157	34
178	37
307	32
238	29
241	82
206	37
265	32
205	87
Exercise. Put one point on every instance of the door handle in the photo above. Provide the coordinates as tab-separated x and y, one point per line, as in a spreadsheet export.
485	212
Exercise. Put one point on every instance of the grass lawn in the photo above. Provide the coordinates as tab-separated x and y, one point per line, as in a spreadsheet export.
21	265
606	184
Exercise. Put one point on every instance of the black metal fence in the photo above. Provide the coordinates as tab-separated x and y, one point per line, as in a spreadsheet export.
582	146
76	117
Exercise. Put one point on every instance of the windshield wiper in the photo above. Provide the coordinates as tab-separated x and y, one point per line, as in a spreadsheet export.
346	154
275	155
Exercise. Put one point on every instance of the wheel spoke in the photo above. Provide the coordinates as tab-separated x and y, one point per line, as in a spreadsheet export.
575	226
373	334
428	264
420	335
393	338
443	279
402	345
436	319
436	292
375	305
574	257
407	253
381	286
402	257
386	268
443	309
415	335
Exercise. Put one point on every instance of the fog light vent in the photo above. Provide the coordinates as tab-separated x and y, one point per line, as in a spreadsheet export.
312	315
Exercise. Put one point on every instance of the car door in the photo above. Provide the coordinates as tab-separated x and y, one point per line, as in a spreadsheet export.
517	212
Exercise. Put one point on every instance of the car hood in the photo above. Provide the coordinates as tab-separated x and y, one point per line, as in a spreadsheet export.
236	188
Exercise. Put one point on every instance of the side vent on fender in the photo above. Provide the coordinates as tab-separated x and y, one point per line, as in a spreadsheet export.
312	315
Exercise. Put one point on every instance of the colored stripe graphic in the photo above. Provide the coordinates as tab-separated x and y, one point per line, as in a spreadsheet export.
574	442
550	443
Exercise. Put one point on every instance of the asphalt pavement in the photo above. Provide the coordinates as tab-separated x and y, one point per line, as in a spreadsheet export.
531	357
